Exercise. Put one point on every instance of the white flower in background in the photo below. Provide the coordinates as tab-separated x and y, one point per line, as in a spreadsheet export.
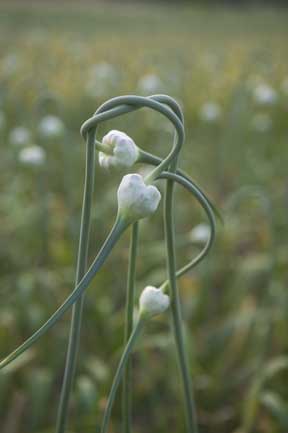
19	136
121	150
103	71
32	155
284	85
101	77
136	200
264	94
51	127
2	121
200	233
210	112
153	301
150	83
262	122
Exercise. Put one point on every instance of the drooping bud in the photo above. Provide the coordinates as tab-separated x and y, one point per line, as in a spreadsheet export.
121	152
153	301
136	200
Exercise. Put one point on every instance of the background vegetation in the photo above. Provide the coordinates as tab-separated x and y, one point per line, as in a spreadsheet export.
229	70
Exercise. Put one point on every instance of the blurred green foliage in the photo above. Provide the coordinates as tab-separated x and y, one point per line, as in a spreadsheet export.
229	70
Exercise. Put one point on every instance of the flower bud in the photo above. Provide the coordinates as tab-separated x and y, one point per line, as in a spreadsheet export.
121	150
153	301
136	200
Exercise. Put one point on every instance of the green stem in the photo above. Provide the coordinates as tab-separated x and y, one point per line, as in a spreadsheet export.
176	307
209	212
119	373
117	230
127	392
148	158
75	328
101	147
125	104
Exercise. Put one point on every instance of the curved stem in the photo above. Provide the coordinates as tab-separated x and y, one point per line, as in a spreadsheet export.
117	230
127	392
75	327
125	104
149	158
209	212
117	378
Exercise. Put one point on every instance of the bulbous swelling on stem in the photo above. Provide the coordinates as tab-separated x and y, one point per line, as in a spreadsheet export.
121	150
153	301
136	200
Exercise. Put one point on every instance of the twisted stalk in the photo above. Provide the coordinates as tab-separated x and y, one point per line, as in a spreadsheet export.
75	327
149	158
110	109
124	361
114	108
211	218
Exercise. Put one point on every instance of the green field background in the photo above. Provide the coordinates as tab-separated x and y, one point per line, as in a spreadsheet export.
65	60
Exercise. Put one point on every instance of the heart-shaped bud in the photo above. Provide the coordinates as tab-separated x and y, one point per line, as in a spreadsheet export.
153	301
136	200
121	150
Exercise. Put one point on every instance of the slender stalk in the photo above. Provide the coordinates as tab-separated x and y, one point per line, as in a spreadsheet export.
211	217
126	391
75	328
118	229
149	158
176	307
119	373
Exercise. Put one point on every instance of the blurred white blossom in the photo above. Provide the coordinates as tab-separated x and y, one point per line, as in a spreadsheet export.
51	127
101	78
210	112
32	155
200	233
261	122
150	84
19	136
264	94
